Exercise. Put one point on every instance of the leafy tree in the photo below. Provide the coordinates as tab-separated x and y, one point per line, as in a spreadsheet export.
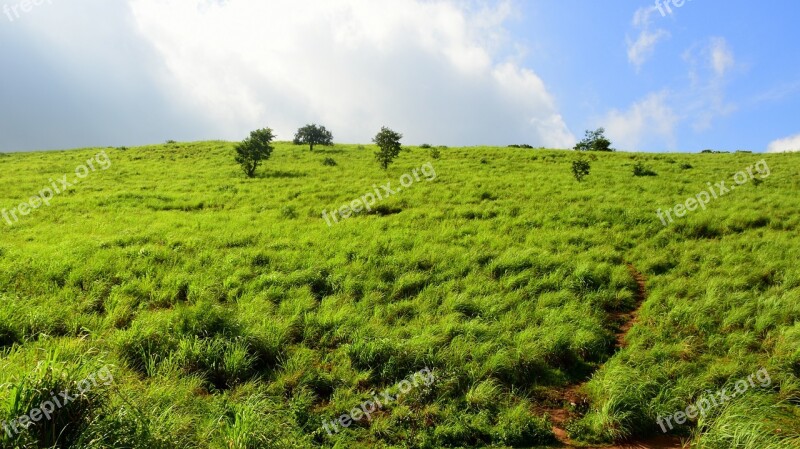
388	143
594	141
313	135
580	168
254	149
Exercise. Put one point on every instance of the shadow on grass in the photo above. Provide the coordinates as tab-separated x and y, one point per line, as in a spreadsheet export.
281	174
329	150
384	210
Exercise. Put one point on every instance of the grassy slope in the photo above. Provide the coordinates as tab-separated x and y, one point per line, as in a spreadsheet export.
233	315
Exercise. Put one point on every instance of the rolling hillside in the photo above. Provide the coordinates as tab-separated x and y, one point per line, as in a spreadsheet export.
484	298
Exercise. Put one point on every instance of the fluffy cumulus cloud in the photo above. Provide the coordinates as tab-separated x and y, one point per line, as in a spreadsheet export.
787	144
649	123
142	71
431	70
80	74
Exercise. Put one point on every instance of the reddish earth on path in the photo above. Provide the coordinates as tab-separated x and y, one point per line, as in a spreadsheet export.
569	397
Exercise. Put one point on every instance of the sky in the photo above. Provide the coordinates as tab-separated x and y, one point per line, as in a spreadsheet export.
672	75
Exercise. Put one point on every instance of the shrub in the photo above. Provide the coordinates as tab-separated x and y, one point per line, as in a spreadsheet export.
329	162
686	166
253	150
642	170
435	153
425	146
580	169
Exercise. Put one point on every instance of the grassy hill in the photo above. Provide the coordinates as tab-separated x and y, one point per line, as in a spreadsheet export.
491	301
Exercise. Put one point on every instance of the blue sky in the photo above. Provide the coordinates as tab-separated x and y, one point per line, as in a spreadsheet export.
583	53
722	75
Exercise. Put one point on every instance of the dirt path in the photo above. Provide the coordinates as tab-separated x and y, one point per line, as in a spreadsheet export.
570	397
628	319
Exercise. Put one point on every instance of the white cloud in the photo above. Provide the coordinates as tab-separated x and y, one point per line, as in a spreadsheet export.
710	60
430	70
648	125
643	47
791	143
721	56
777	93
710	64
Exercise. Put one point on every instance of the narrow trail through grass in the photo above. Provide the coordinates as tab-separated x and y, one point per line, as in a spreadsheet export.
628	319
570	399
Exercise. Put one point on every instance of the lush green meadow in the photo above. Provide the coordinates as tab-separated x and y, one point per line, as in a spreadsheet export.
231	315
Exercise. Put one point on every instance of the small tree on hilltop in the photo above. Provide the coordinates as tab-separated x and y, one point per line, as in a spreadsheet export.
580	168
313	135
388	142
253	150
594	141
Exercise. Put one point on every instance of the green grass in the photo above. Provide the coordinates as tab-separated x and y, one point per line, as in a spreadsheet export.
235	317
